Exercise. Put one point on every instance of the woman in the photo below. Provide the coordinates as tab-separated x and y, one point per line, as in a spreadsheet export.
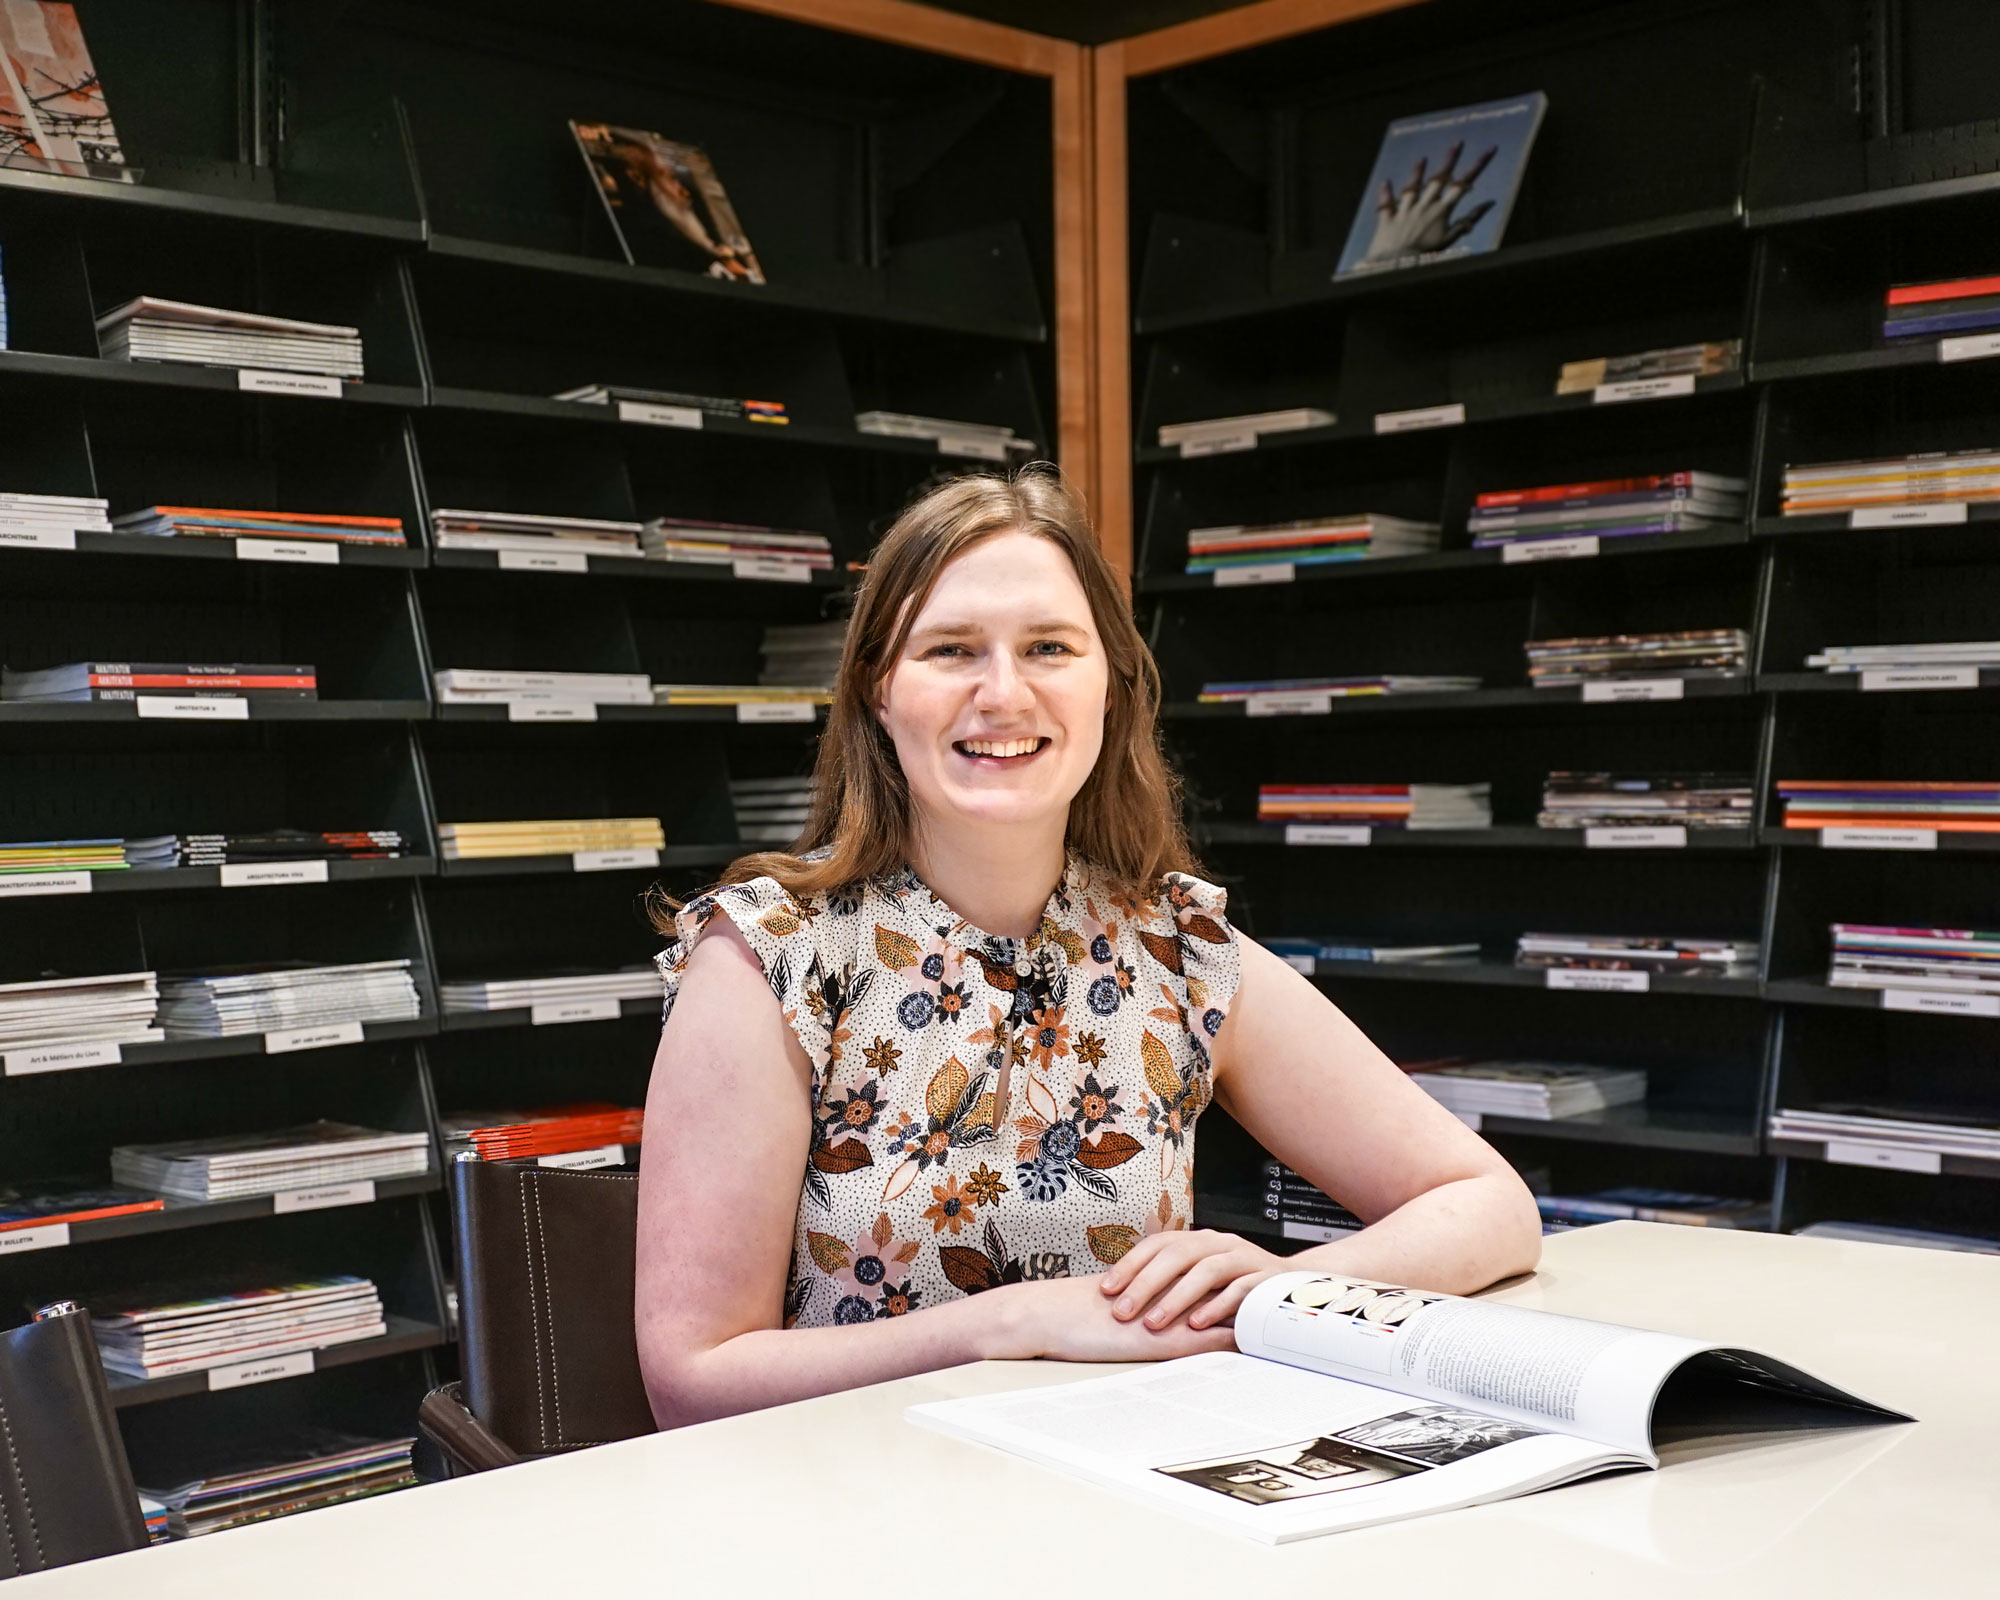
949	1060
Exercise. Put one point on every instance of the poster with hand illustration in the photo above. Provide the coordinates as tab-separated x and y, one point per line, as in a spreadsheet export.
1443	185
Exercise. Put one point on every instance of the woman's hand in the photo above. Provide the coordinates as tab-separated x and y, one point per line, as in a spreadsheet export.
1202	1275
1068	1319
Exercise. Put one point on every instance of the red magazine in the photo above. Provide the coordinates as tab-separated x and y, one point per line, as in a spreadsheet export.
1578	491
1912	294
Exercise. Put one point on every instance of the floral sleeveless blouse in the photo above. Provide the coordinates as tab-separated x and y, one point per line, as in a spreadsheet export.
919	1186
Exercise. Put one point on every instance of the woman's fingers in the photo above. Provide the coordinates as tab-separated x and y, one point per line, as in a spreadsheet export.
1167	1264
1221	1306
1121	1272
1192	1285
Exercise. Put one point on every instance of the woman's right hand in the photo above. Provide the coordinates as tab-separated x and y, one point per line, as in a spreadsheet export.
1069	1319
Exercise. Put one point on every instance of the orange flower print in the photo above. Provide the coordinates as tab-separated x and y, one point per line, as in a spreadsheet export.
1089	1050
1049	1037
952	1208
882	1055
984	1187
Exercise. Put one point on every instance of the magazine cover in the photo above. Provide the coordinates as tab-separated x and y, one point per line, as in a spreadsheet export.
1443	185
665	202
52	110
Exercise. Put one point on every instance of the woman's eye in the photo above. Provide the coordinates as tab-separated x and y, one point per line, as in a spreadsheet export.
1050	647
937	650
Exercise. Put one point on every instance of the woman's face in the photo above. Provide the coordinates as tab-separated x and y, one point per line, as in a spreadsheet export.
996	704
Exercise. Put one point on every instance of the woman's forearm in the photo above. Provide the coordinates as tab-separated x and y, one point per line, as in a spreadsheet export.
1455	1238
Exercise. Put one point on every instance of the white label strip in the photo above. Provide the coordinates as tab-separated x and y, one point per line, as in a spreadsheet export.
1579	548
544	561
222	708
1262	572
551	711
607	1155
1895	1157
659	416
257	382
1217	444
286	1039
1878	838
325	1197
38	538
1446	416
1287	705
1969	347
545	1013
1634	689
771	569
1948	1005
62	1057
1317	1232
1606	394
1609	982
1878	679
1938	516
258	874
1306	966
612	860
978	446
1674	837
19	1241
776	711
1328	833
308	551
25	883
295	1365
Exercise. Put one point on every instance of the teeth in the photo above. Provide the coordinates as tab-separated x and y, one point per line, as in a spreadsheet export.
1001	747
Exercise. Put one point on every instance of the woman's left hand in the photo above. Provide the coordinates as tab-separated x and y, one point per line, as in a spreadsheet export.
1202	1275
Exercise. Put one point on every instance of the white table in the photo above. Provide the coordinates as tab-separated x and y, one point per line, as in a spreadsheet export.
840	1496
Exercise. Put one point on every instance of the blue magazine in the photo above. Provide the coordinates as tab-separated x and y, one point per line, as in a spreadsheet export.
1443	185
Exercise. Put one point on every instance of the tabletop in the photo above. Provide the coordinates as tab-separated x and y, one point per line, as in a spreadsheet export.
842	1496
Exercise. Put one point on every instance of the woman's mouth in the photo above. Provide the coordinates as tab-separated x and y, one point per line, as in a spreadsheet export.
1000	751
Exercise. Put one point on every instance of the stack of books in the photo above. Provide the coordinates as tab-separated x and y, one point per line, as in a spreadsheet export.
1301	1209
563	988
235	1165
1943	1130
1306	954
530	533
1654	1205
38	1208
180	680
203	522
159	1524
1338	688
1646	800
726	408
987	440
1616	952
728	543
287	844
1852	658
1312	541
1540	1091
1868	803
1226	431
162	1334
1949	960
104	1008
493	686
1701	360
1946	306
770	810
739	694
1885	1233
215	1005
147	329
803	655
1888	481
88	855
24	517
1610	657
1606	508
550	1131
1379	805
479	841
323	1470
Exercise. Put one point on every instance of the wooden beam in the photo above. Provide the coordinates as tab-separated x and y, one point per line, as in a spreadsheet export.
1243	28
1111	411
923	28
1075	269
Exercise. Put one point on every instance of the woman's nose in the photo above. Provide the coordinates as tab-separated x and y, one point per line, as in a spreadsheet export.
1002	687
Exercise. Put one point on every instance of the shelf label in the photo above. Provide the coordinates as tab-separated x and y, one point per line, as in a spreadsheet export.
1216	444
1948	1005
1446	416
256	874
1952	511
606	1155
1589	978
62	1057
1670	837
1262	572
1285	704
1328	833
325	1197
771	569
1878	838
979	446
1317	1232
1583	546
1621	692
551	710
1877	679
612	860
1606	394
33	538
216	708
776	711
19	1241
311	552
659	416
235	1376
1969	347
332	1033
318	383
1897	1157
546	1013
544	561
1305	966
25	883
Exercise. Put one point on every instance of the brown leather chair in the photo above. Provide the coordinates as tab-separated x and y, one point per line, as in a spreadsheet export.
545	1275
65	1486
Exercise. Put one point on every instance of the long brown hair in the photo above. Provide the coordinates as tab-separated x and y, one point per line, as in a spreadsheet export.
1125	821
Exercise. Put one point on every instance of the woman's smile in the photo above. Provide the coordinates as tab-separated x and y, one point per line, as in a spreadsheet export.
999	753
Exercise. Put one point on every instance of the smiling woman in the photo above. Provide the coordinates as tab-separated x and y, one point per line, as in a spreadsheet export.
961	1036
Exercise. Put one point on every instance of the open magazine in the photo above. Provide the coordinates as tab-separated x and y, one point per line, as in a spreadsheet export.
1355	1403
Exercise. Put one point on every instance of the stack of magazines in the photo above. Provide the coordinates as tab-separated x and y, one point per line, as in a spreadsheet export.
109	1007
1701	360
1306	954
477	841
89	855
1646	799
147	329
1852	658
1948	960
1870	803
492	686
529	533
514	994
1610	657
1654	1205
550	1131
181	680
1889	481
1606	508
1225	432
804	655
987	440
1888	1233
1942	307
728	543
159	1523
726	408
288	844
1337	688
1939	1130
739	694
770	810
203	522
1301	1209
164	1333
1379	805
1540	1091
214	1005
24	516
1616	952
1313	541
234	1165
39	1207
322	1469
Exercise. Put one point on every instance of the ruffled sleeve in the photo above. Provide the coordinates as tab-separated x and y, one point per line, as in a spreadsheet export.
1210	960
779	933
